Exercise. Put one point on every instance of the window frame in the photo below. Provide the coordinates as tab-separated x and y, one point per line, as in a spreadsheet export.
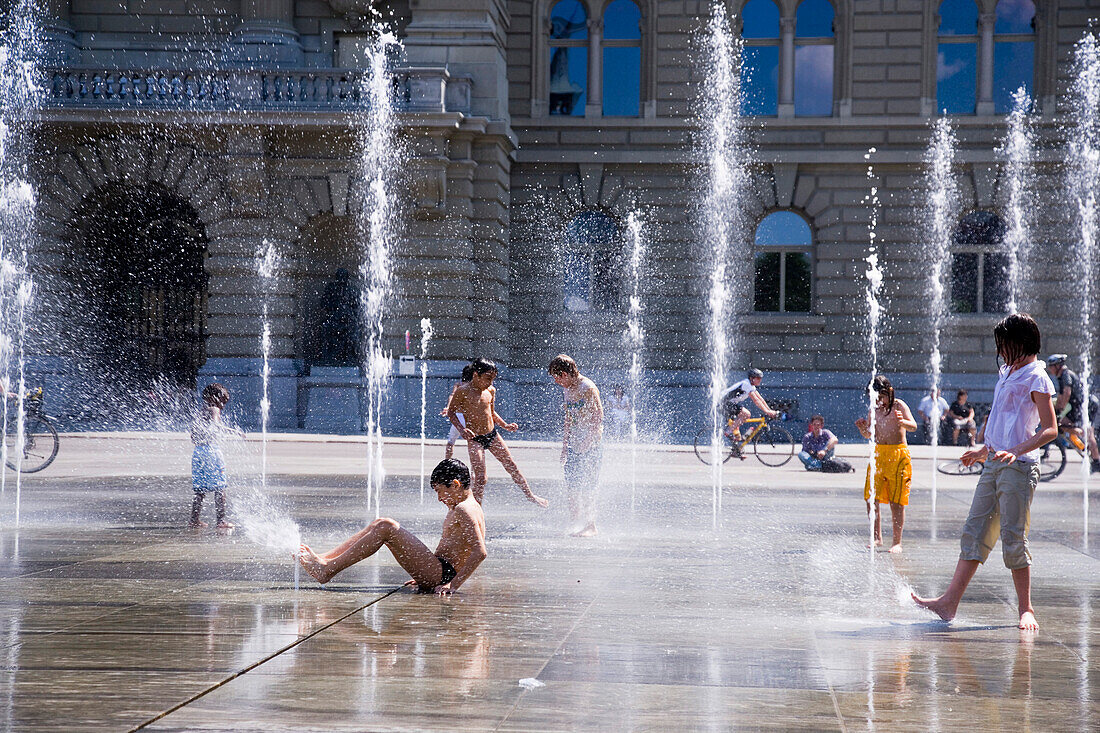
800	41
783	250
613	249
638	43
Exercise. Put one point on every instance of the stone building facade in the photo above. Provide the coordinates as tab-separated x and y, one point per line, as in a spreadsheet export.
180	136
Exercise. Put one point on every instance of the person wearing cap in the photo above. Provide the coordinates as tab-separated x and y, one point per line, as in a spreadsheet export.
731	399
1068	395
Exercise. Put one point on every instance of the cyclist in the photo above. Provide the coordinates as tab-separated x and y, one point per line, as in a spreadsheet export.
1068	395
731	402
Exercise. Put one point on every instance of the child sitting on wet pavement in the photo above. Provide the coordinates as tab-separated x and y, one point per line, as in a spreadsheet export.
461	548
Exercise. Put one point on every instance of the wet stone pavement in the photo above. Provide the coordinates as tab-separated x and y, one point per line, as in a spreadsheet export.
114	616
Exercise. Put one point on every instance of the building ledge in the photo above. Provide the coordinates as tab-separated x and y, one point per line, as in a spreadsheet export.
782	323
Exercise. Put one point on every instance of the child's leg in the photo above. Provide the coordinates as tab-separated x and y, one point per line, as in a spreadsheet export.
219	506
947	605
1021	578
449	451
477	468
1016	488
412	554
897	514
196	510
500	450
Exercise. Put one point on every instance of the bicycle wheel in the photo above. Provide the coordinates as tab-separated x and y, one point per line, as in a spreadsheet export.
40	444
1052	460
957	468
703	446
773	445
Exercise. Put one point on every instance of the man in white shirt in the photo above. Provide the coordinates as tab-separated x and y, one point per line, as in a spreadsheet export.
731	399
931	410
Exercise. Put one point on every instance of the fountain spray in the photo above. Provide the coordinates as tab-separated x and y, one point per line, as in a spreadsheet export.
1084	183
874	277
940	214
1016	152
425	338
727	187
634	339
267	264
378	162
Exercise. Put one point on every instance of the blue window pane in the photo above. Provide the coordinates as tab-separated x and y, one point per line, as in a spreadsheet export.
814	19
959	18
760	80
622	78
568	20
760	19
813	81
956	78
1013	67
1014	16
622	20
784	227
568	79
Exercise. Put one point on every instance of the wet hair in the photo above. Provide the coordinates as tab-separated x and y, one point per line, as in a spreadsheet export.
468	372
450	469
962	393
815	418
481	365
563	364
215	394
882	385
1017	336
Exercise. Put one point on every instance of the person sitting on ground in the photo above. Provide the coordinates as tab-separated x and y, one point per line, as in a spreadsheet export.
1068	396
459	553
731	401
893	464
476	400
933	413
962	417
817	445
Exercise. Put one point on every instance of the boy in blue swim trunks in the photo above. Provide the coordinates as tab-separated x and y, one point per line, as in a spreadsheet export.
207	463
458	554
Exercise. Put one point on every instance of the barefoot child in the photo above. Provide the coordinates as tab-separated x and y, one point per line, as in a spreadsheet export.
477	401
582	431
453	435
1009	446
207	463
893	465
461	548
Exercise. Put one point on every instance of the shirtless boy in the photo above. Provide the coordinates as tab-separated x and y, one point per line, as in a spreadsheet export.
453	435
893	465
477	401
461	548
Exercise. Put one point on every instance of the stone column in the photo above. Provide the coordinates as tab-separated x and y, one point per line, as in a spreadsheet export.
60	41
266	34
986	22
786	67
594	106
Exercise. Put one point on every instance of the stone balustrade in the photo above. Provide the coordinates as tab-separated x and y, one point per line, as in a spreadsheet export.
417	90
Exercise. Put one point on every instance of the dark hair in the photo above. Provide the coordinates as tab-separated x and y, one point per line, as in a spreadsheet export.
450	469
467	372
215	393
563	364
815	418
481	365
1017	336
961	393
882	385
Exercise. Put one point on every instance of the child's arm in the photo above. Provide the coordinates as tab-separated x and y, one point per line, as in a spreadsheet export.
594	417
457	401
863	425
499	421
760	402
905	417
469	527
450	399
1048	430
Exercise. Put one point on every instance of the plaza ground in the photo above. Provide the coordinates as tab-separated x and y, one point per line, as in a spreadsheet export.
114	615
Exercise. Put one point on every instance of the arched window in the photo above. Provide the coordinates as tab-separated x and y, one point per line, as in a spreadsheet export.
979	271
568	58
1013	51
622	59
760	58
591	263
784	264
813	59
957	57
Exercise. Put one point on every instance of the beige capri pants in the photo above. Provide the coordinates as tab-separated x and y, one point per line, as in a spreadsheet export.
1004	492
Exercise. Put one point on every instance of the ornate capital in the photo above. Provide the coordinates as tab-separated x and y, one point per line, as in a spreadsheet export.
786	25
595	25
356	12
987	20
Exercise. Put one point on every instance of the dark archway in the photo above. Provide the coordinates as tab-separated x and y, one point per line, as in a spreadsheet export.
142	287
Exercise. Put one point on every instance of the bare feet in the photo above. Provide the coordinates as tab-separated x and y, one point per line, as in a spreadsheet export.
226	525
896	549
314	565
197	524
1028	622
878	542
589	530
938	606
538	500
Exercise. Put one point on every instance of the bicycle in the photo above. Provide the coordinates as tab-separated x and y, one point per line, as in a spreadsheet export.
772	444
40	439
1052	458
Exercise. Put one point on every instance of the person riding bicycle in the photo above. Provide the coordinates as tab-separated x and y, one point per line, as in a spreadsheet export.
731	402
1068	396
